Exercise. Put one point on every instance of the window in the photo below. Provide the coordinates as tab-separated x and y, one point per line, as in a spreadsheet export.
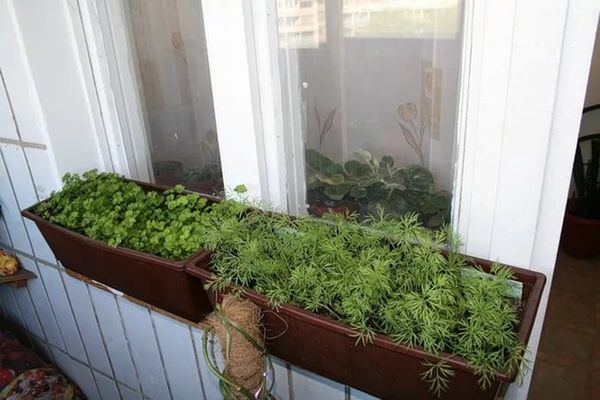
434	19
167	40
376	97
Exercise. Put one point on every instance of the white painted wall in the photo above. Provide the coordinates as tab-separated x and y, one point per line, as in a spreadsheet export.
523	91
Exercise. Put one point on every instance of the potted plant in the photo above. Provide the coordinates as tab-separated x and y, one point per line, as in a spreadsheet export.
329	190
381	305
581	228
399	190
375	185
131	236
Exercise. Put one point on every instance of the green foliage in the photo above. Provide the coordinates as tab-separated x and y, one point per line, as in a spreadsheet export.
104	207
382	185
372	276
323	172
438	375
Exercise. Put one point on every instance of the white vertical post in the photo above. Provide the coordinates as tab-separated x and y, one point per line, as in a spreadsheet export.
522	94
249	145
487	46
263	16
115	45
577	48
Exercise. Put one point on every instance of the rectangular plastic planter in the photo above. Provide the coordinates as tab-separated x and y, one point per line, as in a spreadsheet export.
152	279
383	368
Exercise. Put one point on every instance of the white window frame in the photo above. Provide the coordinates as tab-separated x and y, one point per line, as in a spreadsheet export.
244	78
116	82
523	75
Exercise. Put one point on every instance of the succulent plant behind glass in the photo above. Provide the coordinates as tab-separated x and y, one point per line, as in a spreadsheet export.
409	189
322	172
380	185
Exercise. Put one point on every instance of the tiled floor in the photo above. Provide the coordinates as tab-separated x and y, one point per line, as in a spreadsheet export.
568	361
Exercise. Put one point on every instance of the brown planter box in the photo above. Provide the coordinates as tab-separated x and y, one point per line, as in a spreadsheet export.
384	368
152	279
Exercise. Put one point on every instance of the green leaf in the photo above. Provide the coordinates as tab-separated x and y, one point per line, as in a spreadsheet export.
358	192
337	192
417	178
441	201
387	162
357	170
436	220
321	163
367	156
396	182
312	180
335	179
438	376
419	201
377	192
399	205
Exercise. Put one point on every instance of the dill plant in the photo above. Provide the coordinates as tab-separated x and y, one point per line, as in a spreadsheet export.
383	275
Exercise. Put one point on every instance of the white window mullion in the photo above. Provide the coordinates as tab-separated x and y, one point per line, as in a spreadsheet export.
481	116
113	62
247	114
263	17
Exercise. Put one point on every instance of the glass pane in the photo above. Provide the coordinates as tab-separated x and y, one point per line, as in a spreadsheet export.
172	65
377	86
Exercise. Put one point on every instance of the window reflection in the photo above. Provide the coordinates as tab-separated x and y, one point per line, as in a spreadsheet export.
302	23
174	86
377	90
401	18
